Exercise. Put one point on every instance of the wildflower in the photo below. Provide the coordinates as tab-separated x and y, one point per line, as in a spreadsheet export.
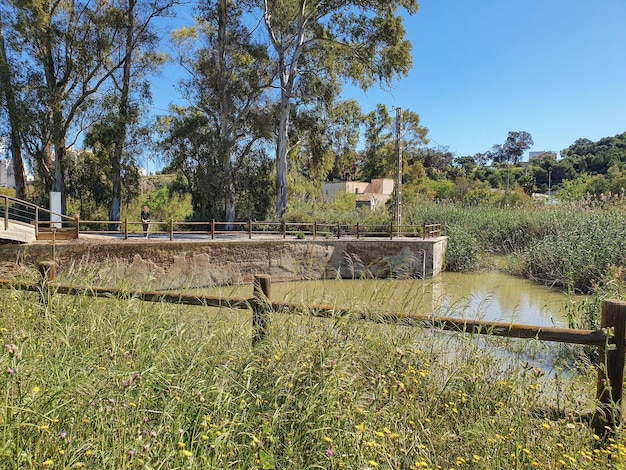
329	452
187	453
49	463
14	351
35	390
10	371
181	445
373	463
131	453
328	439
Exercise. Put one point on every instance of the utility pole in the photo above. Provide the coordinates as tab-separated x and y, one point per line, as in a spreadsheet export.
398	191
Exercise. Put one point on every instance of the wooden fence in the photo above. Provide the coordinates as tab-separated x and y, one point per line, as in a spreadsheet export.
49	225
610	339
250	228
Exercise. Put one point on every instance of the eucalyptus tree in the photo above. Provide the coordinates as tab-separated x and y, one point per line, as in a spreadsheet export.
380	153
324	144
362	41
134	57
68	47
229	119
13	112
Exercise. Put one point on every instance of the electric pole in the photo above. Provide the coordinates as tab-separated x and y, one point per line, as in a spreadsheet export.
398	188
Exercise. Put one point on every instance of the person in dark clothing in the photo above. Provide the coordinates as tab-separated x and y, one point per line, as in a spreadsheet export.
145	220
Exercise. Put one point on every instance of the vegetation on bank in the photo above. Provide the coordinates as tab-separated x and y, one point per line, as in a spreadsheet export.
105	383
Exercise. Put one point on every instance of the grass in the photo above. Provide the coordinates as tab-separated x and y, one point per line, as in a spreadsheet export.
105	383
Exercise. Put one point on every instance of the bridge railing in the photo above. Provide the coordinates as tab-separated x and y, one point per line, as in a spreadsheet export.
250	229
610	339
47	223
50	225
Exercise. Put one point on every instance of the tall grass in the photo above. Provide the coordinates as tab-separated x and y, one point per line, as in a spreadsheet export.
105	383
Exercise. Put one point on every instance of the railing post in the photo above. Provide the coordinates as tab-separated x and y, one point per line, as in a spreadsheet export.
260	306
338	230
77	221
249	229
391	231
212	229
47	274
424	234
37	222
171	229
611	369
126	228
357	231
6	212
314	228
284	226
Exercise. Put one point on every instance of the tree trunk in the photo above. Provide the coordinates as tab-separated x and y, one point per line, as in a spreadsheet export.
122	128
281	154
6	86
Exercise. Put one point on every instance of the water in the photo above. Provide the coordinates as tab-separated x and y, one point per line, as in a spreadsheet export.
491	296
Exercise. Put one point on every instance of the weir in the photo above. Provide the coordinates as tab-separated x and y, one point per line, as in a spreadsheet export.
161	264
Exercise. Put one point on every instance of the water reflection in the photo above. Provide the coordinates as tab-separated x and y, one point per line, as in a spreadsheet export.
489	296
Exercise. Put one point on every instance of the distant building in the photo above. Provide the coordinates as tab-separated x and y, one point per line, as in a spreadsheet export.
373	194
7	175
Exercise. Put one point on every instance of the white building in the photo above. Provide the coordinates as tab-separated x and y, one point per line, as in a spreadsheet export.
7	177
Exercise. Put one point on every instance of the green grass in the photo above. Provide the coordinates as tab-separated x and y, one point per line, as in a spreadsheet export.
105	383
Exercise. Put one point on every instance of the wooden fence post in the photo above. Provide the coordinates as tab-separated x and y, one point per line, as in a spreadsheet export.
126	228
171	229
6	213
47	274
611	369
260	310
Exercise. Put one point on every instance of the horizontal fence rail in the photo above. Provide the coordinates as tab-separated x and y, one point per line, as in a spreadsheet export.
610	339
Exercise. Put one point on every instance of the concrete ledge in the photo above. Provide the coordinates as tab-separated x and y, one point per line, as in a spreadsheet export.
161	264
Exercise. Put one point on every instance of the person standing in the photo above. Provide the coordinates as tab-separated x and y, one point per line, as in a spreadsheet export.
145	220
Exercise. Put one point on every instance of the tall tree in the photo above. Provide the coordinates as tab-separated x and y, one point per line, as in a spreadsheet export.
15	116
513	148
229	118
68	45
360	40
138	56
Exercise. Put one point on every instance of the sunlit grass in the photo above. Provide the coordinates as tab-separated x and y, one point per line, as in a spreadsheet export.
104	383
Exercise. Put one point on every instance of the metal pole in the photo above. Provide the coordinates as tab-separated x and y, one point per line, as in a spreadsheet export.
399	129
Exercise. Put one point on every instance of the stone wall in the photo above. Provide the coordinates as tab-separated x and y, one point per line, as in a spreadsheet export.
178	264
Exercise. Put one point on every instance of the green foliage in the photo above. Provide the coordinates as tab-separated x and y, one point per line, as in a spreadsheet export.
442	189
105	383
344	202
463	252
164	206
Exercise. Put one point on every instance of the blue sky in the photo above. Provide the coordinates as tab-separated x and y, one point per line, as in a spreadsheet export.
553	68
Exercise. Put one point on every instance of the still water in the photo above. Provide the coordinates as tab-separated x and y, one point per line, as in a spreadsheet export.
491	296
